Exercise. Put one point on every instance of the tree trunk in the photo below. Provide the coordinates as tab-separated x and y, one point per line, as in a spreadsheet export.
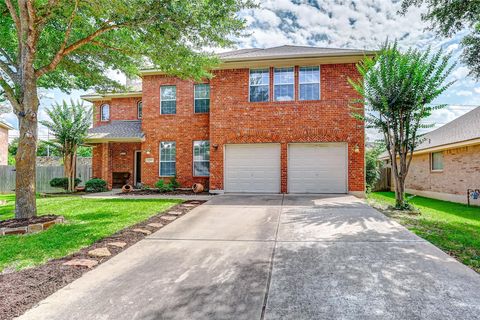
399	193
25	203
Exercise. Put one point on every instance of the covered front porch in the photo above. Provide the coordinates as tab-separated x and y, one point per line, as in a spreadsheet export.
117	156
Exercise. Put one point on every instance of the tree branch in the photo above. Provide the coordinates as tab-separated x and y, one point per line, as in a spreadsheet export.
42	17
74	46
10	73
10	94
14	15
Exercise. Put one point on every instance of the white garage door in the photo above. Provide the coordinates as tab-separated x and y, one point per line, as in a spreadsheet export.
317	168
252	168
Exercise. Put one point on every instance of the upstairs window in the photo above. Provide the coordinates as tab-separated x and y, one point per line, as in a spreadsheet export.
168	99
168	153
309	83
202	98
259	85
105	112
139	109
283	84
201	158
437	161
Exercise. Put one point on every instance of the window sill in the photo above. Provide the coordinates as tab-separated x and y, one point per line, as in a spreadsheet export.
436	171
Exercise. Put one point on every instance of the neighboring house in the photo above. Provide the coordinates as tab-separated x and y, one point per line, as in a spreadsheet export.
4	127
270	120
447	162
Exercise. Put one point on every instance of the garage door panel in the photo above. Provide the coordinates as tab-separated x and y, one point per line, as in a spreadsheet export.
317	168
252	168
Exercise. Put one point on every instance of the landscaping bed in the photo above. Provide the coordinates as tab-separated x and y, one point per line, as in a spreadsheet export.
452	227
147	192
21	290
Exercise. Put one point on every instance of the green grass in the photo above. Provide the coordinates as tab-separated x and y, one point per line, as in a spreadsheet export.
88	220
453	227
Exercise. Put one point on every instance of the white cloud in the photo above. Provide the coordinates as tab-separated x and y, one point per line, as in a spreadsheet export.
477	90
464	93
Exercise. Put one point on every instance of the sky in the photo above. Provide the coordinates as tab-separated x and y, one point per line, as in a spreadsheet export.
356	24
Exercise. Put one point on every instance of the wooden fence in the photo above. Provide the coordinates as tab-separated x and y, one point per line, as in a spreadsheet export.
44	175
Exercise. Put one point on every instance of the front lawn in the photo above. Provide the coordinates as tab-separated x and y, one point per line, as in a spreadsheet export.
87	220
453	227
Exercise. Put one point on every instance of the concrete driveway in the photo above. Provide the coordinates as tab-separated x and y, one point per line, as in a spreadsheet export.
274	257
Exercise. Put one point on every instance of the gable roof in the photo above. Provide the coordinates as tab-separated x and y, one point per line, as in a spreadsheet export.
116	130
288	51
464	128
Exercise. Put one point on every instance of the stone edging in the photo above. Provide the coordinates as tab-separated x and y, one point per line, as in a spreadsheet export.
31	228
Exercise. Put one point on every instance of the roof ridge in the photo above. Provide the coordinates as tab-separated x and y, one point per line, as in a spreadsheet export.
454	121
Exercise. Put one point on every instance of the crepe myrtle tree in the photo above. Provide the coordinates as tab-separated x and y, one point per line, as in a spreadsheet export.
69	124
447	17
70	44
396	89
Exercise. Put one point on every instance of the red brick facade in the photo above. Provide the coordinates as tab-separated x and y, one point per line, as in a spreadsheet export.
233	119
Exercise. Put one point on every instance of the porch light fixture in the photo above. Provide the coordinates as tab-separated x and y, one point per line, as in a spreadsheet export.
147	151
215	146
356	148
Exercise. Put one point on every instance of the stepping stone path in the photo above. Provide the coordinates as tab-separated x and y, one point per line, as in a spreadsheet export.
188	205
144	231
3	202
81	263
118	244
99	252
169	218
175	213
155	225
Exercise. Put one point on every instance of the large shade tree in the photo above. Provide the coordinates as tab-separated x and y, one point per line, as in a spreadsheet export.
448	17
70	44
68	124
397	89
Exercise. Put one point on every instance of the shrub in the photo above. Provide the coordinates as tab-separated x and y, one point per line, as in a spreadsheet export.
162	187
63	182
174	183
96	185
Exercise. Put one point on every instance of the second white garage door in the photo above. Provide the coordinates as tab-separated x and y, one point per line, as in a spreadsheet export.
317	168
252	168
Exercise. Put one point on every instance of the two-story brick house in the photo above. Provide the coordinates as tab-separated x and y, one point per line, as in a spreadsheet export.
271	120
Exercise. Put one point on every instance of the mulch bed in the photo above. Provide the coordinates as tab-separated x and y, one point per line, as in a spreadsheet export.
15	223
148	192
21	290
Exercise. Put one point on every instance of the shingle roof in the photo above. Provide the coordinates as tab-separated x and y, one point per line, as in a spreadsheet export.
117	130
464	128
286	52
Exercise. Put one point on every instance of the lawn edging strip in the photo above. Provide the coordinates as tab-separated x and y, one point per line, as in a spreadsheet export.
21	290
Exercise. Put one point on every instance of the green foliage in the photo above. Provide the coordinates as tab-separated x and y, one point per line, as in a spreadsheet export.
96	185
372	165
449	17
11	160
396	90
174	183
125	36
163	187
13	146
69	124
63	182
89	220
84	151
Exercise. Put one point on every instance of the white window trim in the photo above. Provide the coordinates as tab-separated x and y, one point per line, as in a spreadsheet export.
431	162
101	112
160	159
319	83
168	85
258	85
282	84
193	159
200	98
138	109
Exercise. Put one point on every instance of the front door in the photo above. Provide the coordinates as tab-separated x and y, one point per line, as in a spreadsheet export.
138	167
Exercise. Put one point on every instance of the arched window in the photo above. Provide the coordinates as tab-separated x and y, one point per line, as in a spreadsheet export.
139	109
105	112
